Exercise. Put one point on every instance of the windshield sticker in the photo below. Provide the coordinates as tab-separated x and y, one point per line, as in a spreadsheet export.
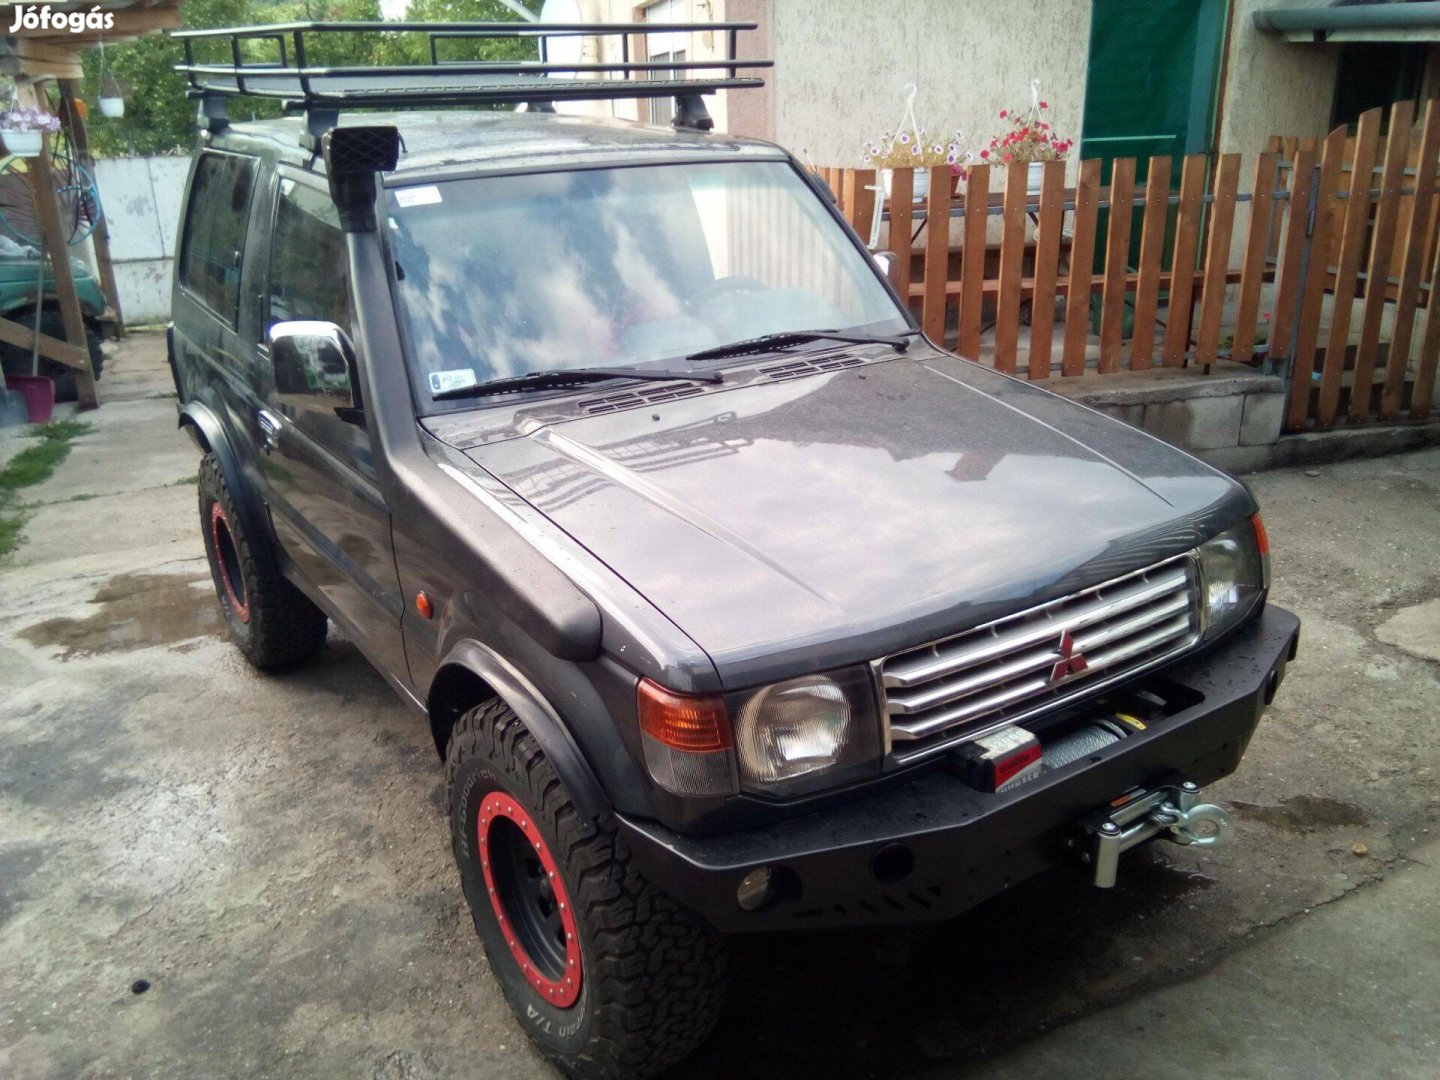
442	382
418	196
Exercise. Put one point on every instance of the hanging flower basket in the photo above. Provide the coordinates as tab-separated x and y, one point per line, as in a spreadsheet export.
23	130
113	107
23	143
1028	139
911	146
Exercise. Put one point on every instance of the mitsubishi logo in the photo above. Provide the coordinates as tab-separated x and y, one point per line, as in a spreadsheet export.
1072	660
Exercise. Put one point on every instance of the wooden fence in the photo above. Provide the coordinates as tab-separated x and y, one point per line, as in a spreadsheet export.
1175	275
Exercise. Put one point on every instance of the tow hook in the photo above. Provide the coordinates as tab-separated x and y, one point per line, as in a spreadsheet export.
1169	812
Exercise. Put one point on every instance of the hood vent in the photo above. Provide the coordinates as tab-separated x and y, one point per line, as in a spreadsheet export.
629	399
794	369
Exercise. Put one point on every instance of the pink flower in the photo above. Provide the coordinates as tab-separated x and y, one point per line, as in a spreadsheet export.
1044	104
1007	158
1004	113
984	153
1266	316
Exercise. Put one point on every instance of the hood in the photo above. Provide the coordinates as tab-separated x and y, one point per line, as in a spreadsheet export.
842	516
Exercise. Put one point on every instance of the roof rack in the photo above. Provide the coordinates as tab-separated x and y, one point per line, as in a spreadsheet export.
277	62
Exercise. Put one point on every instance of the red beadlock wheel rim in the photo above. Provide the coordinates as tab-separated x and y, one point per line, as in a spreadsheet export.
529	899
227	558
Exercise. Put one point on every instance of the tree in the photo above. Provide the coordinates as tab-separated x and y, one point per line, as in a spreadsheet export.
160	119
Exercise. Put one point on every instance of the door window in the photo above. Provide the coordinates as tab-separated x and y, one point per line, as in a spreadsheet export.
215	231
309	271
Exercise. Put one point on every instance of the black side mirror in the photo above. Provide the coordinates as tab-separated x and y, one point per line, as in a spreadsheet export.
314	365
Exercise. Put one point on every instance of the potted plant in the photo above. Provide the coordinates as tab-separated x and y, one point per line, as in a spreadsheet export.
1026	138
23	130
112	97
910	146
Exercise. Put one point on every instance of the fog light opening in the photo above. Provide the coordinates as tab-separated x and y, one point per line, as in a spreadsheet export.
892	864
757	889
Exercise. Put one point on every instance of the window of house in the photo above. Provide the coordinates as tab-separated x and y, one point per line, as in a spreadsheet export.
215	231
309	270
1375	74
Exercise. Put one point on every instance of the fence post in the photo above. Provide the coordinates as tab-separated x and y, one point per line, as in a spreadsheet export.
972	271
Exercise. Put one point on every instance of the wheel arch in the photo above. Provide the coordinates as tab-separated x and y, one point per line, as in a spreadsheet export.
471	674
205	429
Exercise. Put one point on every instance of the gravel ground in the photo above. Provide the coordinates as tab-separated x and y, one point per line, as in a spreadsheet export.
270	854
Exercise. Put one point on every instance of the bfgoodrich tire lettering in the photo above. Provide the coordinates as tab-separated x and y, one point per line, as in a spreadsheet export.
651	973
273	623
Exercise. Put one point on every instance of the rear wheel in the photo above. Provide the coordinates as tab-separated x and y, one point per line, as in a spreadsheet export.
273	623
606	974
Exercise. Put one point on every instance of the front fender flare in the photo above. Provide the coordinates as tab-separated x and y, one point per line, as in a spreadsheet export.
540	719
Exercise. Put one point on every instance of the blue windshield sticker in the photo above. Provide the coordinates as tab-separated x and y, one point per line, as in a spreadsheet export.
442	382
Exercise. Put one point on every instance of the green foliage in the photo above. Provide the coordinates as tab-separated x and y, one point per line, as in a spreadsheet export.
29	467
160	119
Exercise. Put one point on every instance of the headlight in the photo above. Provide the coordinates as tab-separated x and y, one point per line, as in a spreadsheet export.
805	733
1234	573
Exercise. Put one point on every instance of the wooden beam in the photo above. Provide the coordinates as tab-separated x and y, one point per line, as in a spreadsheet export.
100	236
47	203
52	348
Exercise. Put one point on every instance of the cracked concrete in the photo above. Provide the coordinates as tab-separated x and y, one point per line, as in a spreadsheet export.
270	853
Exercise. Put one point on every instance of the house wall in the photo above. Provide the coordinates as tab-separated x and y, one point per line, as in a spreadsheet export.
842	67
1273	86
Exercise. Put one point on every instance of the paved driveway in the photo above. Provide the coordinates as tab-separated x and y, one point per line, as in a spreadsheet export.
270	854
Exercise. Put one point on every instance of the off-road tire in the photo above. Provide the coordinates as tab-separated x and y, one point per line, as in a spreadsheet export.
651	972
271	621
17	361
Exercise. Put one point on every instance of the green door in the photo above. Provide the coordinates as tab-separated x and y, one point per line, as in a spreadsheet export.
1153	70
1150	87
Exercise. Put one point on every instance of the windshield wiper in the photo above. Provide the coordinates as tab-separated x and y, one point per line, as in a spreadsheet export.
549	380
786	338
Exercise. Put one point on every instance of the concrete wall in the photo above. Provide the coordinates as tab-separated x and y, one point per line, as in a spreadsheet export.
142	197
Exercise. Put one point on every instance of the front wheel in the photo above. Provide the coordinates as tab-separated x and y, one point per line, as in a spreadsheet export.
607	975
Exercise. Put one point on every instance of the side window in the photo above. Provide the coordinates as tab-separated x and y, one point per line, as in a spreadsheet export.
215	231
309	270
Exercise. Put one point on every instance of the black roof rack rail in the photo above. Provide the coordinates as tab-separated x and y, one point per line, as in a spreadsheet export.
285	69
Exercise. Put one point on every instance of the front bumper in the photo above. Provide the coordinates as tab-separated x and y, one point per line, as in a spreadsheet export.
967	845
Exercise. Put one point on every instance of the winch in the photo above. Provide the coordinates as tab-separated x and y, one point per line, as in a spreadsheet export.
1171	811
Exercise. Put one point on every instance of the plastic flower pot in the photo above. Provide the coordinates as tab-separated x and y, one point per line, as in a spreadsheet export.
39	394
1034	179
23	143
922	183
113	107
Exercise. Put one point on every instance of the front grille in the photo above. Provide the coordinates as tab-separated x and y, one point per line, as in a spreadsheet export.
1012	668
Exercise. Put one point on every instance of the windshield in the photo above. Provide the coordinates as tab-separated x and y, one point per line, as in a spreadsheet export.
504	275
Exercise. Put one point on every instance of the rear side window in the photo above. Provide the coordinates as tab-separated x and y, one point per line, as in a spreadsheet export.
309	270
215	231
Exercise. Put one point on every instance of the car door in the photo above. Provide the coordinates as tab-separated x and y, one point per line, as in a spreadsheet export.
213	358
326	504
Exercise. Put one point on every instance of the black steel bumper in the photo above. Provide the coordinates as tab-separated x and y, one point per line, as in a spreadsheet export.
966	844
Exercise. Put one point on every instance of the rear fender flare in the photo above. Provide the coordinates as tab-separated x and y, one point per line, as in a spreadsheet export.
537	714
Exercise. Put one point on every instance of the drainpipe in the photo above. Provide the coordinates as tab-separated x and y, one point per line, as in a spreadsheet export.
1318	22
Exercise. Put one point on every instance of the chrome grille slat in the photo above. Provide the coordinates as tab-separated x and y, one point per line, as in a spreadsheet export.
975	681
939	664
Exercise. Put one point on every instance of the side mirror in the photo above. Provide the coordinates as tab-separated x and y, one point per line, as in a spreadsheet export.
888	262
314	365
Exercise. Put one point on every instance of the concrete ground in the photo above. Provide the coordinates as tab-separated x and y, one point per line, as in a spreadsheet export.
270	853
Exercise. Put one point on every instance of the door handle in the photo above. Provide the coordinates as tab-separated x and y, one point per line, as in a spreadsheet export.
269	430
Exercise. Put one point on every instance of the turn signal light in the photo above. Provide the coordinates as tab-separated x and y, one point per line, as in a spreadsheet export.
694	723
1262	540
687	741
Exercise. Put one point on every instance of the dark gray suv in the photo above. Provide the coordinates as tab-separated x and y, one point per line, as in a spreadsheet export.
732	602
